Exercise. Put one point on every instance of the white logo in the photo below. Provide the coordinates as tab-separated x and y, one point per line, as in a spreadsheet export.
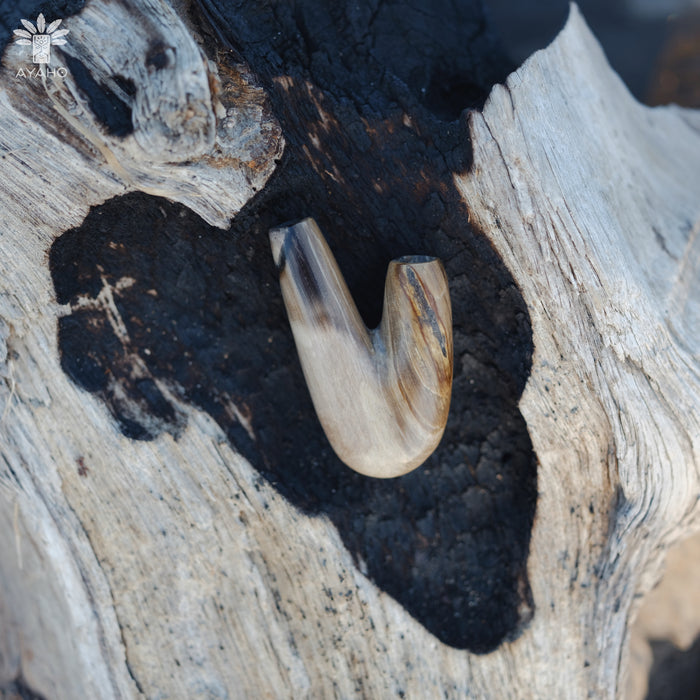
41	37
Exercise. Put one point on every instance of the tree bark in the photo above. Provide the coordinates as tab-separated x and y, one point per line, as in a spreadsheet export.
174	521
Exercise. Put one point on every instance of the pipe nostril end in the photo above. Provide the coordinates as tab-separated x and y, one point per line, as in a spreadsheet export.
277	238
414	259
302	229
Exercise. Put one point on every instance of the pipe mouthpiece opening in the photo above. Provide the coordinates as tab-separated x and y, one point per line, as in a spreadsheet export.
414	259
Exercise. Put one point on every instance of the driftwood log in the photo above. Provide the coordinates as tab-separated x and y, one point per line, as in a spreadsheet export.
173	522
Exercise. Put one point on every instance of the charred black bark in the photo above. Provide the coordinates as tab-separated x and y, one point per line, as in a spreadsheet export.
369	97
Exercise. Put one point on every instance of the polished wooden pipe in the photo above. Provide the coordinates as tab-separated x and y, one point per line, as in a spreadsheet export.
382	396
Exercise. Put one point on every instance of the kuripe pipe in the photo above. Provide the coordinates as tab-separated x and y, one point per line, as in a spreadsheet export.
382	395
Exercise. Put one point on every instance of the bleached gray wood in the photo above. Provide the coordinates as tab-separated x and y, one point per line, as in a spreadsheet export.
194	140
170	569
594	203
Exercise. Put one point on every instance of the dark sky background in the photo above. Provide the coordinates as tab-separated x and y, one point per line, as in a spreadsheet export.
632	32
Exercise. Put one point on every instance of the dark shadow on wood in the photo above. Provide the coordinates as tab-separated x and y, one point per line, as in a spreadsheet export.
675	674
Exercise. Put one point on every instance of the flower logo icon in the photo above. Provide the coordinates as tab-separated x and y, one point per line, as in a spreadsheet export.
41	37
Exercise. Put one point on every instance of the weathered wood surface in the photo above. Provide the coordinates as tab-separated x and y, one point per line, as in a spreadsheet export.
622	386
170	568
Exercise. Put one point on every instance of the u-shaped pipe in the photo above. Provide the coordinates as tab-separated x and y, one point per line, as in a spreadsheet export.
382	396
